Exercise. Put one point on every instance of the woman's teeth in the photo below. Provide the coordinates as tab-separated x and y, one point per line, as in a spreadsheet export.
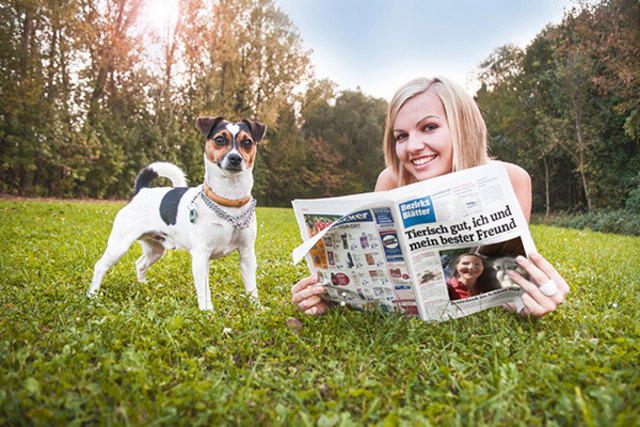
423	160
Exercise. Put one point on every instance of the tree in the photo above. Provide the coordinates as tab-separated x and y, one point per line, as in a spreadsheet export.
351	133
565	108
41	150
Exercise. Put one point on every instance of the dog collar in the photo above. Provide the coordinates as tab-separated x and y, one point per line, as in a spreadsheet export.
225	202
242	220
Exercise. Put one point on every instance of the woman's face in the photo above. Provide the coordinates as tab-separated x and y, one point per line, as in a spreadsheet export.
422	137
469	267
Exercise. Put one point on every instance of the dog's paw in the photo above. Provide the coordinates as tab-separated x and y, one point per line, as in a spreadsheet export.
257	304
205	306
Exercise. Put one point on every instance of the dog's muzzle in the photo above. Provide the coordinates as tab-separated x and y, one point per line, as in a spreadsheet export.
232	161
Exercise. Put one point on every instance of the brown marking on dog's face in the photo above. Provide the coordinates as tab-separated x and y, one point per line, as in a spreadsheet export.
231	146
218	145
250	134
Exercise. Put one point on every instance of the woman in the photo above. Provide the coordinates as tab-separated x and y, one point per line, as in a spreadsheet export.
464	281
433	128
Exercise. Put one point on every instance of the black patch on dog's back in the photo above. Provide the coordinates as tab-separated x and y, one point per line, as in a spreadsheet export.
169	204
143	180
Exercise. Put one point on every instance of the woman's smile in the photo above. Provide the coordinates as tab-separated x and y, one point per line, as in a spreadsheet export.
421	161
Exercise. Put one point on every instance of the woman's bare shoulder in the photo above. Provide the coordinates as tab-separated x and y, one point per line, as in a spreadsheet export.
518	175
386	180
521	183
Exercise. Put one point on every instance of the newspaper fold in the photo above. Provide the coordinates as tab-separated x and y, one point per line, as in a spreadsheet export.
397	250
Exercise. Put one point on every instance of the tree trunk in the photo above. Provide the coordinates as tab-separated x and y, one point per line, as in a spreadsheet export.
577	108
546	188
108	54
222	79
52	67
27	31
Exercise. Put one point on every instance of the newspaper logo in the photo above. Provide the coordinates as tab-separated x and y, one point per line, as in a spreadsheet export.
360	216
417	211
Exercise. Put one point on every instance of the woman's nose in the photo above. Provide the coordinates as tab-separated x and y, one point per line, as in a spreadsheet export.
414	143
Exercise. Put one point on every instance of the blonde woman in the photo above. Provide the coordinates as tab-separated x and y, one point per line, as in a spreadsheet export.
433	128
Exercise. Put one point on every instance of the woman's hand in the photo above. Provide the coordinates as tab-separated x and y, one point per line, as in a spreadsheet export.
546	292
305	294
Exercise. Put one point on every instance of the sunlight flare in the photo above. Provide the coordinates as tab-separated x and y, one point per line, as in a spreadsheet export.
160	16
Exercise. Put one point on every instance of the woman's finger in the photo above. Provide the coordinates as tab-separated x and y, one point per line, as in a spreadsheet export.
534	308
317	309
303	283
307	303
538	302
306	293
548	269
541	273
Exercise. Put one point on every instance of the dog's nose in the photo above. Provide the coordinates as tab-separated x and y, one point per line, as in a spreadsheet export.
235	159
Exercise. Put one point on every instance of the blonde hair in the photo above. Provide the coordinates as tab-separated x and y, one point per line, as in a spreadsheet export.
466	125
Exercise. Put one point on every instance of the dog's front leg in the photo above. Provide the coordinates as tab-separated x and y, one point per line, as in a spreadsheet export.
248	271
200	269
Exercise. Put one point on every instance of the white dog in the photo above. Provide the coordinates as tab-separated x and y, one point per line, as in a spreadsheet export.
210	221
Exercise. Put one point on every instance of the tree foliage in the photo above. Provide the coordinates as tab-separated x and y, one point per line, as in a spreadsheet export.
565	107
90	94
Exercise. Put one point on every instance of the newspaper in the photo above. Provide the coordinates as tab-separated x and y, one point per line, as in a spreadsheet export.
396	250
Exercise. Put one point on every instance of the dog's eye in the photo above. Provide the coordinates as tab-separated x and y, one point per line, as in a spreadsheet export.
247	143
219	140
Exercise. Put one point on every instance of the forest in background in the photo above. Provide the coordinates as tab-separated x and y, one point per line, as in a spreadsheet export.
89	96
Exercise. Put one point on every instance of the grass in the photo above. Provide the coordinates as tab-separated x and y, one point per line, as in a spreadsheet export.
144	353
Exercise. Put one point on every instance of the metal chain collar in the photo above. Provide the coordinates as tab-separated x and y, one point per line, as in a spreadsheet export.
238	221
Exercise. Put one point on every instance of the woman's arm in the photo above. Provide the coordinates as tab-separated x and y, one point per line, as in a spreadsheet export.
521	182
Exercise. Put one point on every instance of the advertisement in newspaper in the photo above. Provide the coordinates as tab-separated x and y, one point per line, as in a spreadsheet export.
437	249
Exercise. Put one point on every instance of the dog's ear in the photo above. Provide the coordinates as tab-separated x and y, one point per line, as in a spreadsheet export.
258	130
206	124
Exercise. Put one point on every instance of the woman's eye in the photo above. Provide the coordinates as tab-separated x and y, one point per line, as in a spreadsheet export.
429	127
401	137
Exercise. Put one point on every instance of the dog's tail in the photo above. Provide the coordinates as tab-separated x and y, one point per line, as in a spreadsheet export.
154	170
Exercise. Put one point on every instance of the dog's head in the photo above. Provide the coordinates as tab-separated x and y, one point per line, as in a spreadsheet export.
502	266
231	146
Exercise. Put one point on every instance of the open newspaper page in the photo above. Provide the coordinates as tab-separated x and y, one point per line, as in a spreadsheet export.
407	249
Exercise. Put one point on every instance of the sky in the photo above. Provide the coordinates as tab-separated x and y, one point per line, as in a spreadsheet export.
377	45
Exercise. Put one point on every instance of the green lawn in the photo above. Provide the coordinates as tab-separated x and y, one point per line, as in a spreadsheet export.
144	353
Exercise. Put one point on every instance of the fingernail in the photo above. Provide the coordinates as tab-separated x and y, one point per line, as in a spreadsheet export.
520	259
511	273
